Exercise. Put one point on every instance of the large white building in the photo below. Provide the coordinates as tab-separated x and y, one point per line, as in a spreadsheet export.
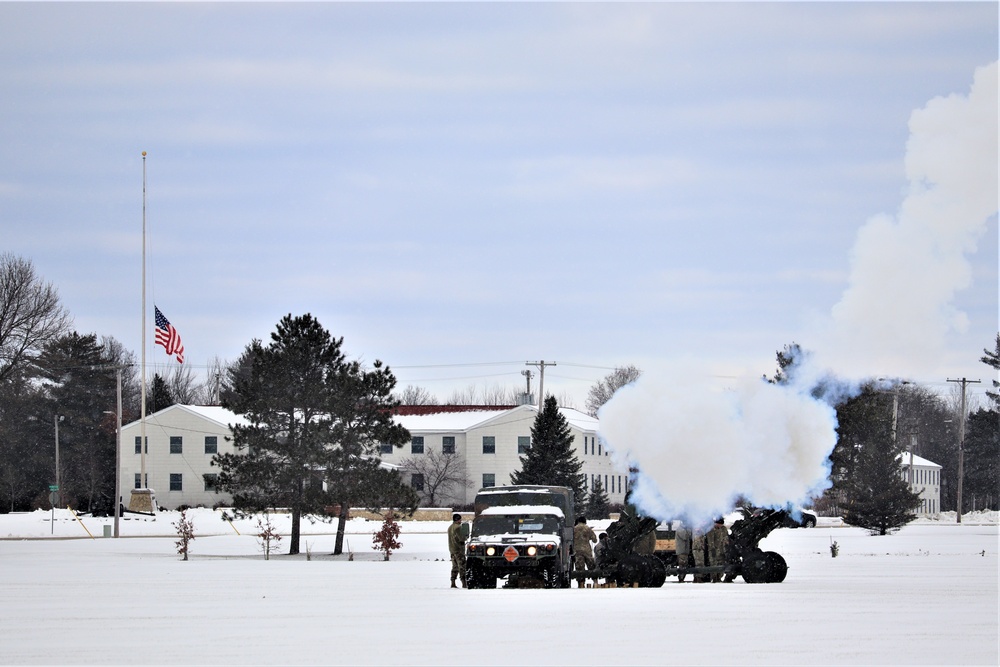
924	478
180	443
182	439
490	442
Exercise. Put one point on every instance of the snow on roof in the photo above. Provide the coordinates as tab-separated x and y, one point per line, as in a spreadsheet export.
447	421
581	420
214	413
917	460
465	420
503	510
434	422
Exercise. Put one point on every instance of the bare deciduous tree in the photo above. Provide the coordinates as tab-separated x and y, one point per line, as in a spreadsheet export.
214	375
183	387
414	395
30	313
443	475
492	395
604	389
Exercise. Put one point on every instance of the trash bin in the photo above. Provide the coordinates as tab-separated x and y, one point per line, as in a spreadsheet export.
107	531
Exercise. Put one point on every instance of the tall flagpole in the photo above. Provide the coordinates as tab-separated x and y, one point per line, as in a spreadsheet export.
142	407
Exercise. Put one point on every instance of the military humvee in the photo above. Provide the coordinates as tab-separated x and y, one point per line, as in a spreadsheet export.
521	532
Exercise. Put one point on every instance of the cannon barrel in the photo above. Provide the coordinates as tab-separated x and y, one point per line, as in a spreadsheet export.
624	534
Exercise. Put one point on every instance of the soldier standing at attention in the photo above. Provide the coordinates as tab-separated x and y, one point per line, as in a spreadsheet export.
583	535
682	546
456	545
716	545
698	553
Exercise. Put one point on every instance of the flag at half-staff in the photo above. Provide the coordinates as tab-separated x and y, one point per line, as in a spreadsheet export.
167	336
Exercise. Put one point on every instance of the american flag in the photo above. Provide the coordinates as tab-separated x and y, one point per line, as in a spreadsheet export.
167	336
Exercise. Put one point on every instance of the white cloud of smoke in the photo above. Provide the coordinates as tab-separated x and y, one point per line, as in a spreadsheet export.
699	446
895	316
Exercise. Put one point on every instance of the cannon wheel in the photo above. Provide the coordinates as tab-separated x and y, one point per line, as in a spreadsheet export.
777	568
764	567
647	571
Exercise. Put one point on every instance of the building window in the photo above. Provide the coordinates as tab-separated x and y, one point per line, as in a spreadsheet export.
176	481
417	445
598	448
523	444
448	444
176	444
138	447
211	444
489	479
138	482
385	448
417	481
211	482
489	445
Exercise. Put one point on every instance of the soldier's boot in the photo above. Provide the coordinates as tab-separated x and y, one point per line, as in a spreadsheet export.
453	583
464	584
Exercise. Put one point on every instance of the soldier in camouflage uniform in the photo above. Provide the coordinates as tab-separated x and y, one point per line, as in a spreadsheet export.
682	546
716	547
698	553
583	535
456	545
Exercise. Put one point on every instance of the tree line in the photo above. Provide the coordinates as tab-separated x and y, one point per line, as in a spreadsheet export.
316	420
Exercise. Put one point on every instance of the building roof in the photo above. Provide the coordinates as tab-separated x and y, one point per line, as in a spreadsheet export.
214	413
432	409
429	418
917	461
475	416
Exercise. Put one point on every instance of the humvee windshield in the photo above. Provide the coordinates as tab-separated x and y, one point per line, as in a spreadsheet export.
514	524
511	498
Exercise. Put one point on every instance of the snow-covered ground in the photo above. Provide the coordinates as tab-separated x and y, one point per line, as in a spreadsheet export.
926	595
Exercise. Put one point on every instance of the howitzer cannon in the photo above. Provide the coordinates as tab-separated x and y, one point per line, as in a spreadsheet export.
746	558
624	560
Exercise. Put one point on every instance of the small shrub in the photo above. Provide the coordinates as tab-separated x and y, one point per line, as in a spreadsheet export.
385	539
185	534
266	534
834	549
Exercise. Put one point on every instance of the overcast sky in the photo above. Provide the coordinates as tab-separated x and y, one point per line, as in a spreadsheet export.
451	185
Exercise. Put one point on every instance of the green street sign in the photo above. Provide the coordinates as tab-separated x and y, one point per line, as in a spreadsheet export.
53	487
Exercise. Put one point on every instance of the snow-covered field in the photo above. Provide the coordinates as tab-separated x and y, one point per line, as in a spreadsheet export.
926	595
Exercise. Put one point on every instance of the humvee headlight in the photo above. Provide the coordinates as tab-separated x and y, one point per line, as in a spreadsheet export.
550	547
491	551
532	550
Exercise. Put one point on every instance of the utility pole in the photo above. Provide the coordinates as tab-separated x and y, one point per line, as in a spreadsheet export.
118	451
961	444
540	365
57	419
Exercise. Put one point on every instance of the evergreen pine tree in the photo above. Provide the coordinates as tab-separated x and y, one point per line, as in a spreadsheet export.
80	389
159	396
598	505
878	497
309	413
551	459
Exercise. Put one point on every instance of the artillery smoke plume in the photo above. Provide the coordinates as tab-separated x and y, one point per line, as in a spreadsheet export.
698	446
895	316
